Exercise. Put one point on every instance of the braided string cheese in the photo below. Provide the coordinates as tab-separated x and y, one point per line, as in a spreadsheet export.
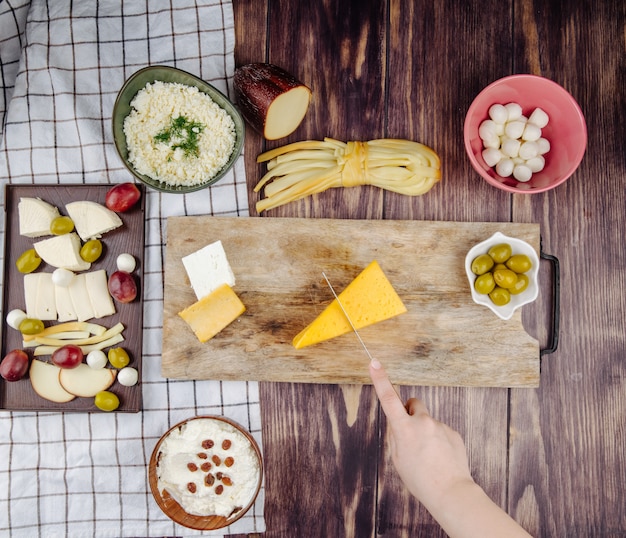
300	169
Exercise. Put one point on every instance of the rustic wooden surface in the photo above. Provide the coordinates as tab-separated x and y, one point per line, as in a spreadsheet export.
444	338
552	456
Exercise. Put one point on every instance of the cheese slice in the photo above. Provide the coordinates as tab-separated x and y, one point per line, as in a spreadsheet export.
92	219
35	217
98	293
65	306
62	251
214	312
31	283
208	269
368	299
80	298
46	304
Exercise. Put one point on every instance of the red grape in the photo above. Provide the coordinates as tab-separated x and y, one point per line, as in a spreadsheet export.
122	197
67	356
122	287
14	365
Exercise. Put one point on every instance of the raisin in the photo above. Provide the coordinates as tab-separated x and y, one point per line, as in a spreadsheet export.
216	459
209	480
207	443
206	466
226	444
202	455
191	486
192	467
226	480
219	489
229	461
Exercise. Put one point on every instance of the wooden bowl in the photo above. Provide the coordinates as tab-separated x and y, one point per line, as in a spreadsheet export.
173	509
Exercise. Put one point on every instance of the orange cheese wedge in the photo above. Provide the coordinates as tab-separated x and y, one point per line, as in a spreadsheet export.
214	312
368	299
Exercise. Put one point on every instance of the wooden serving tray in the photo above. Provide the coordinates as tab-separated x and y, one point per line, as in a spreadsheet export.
443	339
19	395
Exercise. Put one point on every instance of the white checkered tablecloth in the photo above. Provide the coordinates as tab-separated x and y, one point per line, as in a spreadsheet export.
61	66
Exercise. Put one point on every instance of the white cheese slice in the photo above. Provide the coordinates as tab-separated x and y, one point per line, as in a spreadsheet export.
62	251
99	296
31	283
46	306
65	306
80	298
92	219
35	217
208	269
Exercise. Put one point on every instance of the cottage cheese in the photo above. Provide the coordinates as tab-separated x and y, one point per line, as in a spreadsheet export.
209	467
154	109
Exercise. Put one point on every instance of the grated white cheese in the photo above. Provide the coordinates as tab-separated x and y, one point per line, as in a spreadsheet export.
154	108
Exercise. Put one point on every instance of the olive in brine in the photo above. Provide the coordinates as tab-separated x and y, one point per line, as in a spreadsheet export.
520	285
500	253
61	225
481	264
91	250
520	263
31	326
500	296
485	283
505	278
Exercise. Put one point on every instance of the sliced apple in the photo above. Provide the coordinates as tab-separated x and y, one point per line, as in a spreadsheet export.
84	381
271	100
44	377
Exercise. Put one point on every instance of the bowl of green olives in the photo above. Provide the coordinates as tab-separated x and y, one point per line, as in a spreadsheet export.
502	272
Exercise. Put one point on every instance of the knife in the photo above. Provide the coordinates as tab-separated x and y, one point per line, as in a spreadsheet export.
347	316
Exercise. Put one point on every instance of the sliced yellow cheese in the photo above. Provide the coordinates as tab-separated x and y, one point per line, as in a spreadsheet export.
368	299
212	313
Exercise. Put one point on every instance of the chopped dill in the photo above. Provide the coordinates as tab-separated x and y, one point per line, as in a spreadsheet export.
182	134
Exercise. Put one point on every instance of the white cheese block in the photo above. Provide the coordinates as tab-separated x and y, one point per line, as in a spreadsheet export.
65	306
35	217
31	283
80	298
92	219
62	251
208	269
46	307
99	296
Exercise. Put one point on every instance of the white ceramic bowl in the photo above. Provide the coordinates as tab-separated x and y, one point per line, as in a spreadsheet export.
518	247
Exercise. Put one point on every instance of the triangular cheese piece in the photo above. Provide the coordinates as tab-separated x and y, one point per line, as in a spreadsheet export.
368	299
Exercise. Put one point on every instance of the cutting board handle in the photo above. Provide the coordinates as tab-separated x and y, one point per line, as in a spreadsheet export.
553	341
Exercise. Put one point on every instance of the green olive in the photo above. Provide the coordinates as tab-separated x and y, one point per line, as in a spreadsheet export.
91	250
28	261
498	267
485	283
31	326
61	226
118	357
106	401
500	296
500	253
482	264
520	263
505	278
520	285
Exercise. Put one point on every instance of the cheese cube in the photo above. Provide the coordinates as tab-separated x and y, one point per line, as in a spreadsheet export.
208	269
214	312
368	299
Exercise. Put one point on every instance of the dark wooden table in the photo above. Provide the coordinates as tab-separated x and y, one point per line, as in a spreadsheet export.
553	457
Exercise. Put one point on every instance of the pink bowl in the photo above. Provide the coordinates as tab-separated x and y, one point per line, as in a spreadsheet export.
566	130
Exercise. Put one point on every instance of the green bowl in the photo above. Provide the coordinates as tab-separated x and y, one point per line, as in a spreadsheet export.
122	108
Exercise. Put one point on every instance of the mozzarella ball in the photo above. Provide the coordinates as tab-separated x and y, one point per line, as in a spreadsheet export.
528	150
510	147
514	129
492	156
536	164
505	167
498	113
487	129
539	118
493	142
126	262
128	376
514	111
62	277
96	359
543	146
531	132
522	173
15	317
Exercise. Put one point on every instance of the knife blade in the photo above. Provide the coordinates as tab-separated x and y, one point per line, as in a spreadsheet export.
347	316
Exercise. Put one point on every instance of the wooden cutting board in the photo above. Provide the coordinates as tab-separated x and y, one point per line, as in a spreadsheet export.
443	339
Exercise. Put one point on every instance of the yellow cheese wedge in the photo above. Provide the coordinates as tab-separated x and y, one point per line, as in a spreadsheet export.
368	299
212	313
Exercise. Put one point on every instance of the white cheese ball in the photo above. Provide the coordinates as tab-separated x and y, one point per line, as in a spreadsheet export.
126	262
15	317
531	132
522	173
128	376
514	129
543	146
487	130
62	277
528	150
505	167
536	164
492	156
539	118
511	147
96	359
498	113
514	111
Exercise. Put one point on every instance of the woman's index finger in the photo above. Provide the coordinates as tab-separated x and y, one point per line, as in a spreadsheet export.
389	400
